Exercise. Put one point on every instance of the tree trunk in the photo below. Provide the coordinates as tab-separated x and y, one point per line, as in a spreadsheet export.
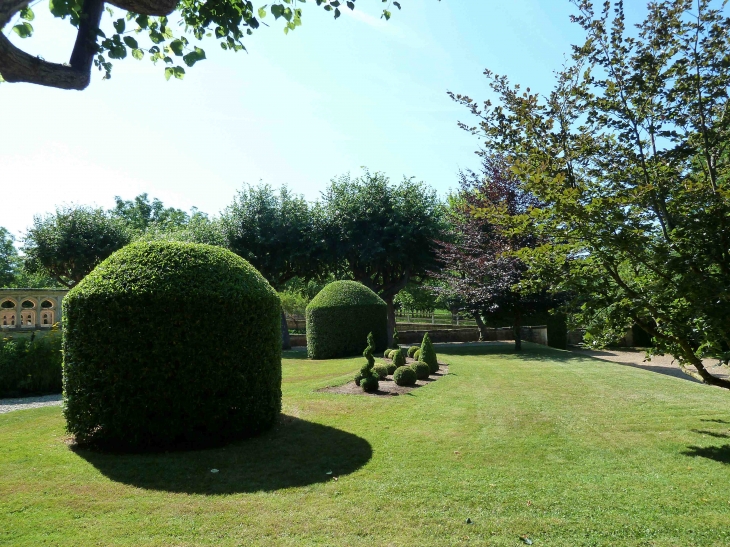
391	318
481	325
285	340
518	335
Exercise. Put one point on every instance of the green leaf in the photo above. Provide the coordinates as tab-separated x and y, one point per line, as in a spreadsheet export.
351	5
168	73
138	54
262	12
27	14
177	47
386	14
194	56
131	42
337	13
179	72
120	25
24	30
277	10
397	5
143	21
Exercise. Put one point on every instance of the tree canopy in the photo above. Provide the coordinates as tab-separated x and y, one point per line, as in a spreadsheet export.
630	157
147	28
383	233
8	257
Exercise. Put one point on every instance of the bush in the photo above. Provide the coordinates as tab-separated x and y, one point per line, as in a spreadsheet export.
386	353
417	354
30	366
398	359
341	316
404	376
428	354
369	384
391	367
381	371
395	344
142	366
421	369
412	350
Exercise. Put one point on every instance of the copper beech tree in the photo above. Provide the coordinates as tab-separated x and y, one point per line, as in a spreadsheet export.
148	28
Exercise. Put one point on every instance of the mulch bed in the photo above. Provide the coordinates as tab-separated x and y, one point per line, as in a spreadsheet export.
387	386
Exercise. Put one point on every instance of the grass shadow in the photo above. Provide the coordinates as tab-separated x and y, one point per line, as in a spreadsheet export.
718	453
294	453
715	434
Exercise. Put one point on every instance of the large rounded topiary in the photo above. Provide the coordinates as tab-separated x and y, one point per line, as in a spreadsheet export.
404	376
171	343
340	317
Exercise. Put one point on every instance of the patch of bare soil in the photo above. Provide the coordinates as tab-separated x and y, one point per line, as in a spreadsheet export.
387	387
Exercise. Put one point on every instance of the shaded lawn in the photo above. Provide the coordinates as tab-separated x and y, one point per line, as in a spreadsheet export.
564	448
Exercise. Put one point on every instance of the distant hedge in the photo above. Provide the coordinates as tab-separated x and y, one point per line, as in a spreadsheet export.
30	366
169	344
340	317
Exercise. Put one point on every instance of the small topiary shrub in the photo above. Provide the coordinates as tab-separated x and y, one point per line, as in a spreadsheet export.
386	353
369	384
391	367
398	359
142	366
395	344
340	316
428	354
381	371
404	376
412	350
417	354
421	369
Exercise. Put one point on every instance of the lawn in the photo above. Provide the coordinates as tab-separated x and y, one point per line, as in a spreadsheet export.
567	450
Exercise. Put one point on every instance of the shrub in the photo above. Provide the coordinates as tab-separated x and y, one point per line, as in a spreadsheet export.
412	350
428	354
30	366
369	384
381	371
404	376
341	316
398	359
417	354
142	366
386	353
395	344
421	369
391	367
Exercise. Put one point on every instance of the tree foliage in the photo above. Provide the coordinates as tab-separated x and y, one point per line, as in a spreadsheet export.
147	28
383	233
8	258
630	156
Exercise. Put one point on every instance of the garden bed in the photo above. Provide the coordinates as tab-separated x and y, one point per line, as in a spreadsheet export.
387	386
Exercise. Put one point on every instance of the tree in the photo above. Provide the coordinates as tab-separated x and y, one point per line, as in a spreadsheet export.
630	156
147	21
479	266
140	214
278	233
383	233
8	258
70	243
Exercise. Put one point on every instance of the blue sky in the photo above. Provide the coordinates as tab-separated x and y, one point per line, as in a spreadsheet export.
298	109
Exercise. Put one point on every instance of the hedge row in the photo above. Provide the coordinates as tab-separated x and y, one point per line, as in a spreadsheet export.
30	366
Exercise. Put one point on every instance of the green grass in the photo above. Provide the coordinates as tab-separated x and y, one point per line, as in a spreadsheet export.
569	450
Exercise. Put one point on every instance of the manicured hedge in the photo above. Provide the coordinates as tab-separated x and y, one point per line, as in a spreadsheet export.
169	343
421	369
30	366
404	376
340	317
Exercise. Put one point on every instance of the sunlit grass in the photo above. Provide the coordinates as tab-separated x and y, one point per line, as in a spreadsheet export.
567	450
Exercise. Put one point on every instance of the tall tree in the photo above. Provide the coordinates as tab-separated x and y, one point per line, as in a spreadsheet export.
630	156
279	233
140	213
479	265
69	244
147	29
384	233
8	258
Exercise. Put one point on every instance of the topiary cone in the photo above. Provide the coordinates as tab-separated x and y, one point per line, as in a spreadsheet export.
428	354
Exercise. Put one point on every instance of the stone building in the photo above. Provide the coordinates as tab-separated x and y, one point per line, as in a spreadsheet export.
30	309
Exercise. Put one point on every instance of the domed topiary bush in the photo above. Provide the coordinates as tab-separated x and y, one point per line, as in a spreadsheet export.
412	350
171	344
341	316
391	367
404	376
398	359
417	354
428	354
381	371
421	369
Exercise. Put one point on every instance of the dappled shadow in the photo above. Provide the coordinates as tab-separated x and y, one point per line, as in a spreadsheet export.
718	453
715	434
715	420
294	453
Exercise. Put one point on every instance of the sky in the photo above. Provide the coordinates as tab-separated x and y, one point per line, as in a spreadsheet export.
296	110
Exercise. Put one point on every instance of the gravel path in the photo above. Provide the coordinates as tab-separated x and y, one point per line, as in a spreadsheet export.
661	364
8	405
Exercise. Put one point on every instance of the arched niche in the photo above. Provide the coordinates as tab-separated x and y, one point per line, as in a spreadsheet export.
28	304
8	304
